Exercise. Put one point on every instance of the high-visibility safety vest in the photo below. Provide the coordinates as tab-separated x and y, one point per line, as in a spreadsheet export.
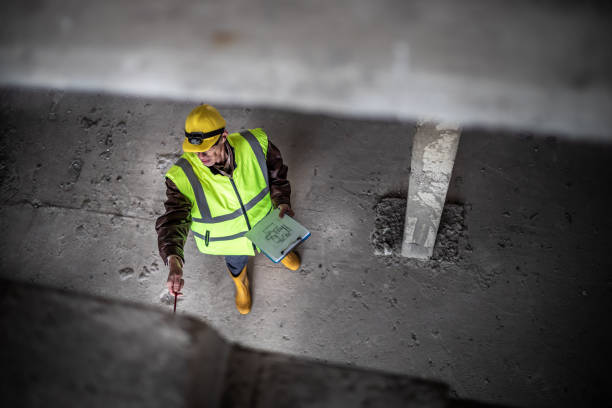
224	208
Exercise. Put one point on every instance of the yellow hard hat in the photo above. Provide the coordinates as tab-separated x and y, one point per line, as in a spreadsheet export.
203	127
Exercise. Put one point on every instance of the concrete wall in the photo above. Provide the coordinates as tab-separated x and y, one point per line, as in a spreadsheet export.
62	349
541	65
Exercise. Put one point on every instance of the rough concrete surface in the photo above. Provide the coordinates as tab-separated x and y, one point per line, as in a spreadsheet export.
521	320
451	240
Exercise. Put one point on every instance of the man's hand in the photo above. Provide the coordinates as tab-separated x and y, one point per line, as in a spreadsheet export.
285	209
175	282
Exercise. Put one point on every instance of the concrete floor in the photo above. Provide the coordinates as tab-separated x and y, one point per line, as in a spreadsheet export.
520	320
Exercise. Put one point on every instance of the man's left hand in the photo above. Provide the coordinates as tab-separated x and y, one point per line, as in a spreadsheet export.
285	209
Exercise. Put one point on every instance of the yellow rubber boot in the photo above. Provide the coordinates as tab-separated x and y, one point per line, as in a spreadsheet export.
291	261
243	292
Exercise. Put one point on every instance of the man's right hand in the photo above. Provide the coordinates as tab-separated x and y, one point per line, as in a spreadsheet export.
175	282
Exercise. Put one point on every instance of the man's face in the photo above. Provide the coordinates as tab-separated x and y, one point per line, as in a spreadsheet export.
215	154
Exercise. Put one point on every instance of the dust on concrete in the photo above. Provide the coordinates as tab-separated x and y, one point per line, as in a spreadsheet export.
166	160
147	271
388	226
72	175
166	298
87	122
126	273
9	177
451	241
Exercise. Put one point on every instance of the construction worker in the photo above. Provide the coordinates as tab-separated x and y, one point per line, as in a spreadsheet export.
221	187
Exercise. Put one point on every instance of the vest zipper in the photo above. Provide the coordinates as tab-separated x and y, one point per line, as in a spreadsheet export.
246	217
241	204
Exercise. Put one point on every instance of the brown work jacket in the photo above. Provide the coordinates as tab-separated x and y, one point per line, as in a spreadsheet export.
173	226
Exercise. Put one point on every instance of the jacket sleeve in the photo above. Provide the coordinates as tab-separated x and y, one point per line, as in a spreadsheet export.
280	189
173	227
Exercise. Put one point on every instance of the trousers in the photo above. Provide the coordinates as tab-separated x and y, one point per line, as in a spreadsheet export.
235	263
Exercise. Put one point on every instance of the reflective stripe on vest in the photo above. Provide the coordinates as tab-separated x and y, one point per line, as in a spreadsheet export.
226	238
201	198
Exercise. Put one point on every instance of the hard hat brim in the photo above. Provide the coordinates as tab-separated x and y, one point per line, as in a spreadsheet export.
206	144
